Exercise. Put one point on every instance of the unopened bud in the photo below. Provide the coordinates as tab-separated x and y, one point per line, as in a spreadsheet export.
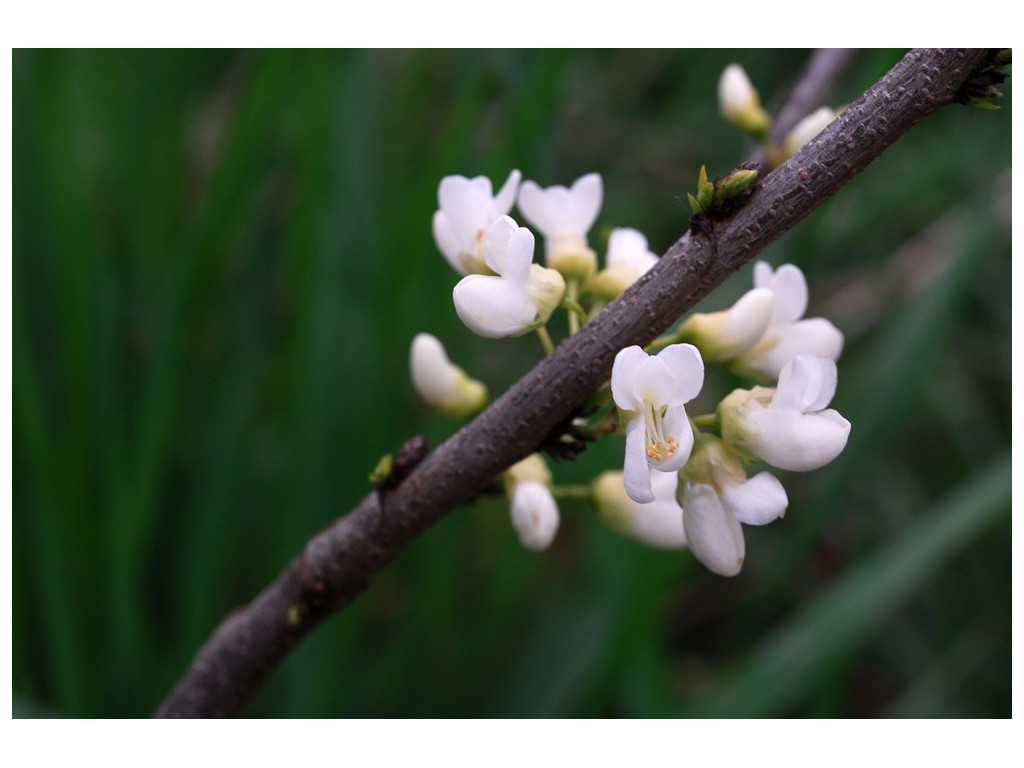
740	103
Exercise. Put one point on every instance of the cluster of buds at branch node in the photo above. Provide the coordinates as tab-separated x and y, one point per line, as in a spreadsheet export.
719	199
980	88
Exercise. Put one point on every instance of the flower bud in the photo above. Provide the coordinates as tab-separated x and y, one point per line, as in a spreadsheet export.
627	260
443	386
740	103
533	508
807	129
657	524
724	335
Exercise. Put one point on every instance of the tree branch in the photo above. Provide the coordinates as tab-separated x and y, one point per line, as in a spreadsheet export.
337	564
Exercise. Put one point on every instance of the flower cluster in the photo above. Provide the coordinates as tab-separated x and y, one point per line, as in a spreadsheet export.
788	426
687	481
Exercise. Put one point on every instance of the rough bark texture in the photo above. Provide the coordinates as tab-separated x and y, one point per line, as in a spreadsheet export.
337	564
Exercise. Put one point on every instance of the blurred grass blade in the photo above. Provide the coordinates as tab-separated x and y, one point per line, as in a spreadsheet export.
839	618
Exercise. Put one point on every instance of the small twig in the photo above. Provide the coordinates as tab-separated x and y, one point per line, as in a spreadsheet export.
337	564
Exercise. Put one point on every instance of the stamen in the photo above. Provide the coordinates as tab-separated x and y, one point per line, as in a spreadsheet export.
659	448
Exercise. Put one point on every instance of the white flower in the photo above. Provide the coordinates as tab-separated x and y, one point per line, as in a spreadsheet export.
519	297
564	216
627	260
651	392
787	335
533	508
716	497
739	102
467	210
725	335
444	387
807	129
657	524
788	426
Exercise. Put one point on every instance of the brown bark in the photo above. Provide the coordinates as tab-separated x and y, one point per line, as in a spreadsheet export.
338	563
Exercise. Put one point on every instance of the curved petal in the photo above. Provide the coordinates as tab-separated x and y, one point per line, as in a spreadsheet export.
433	374
496	243
790	288
624	372
585	202
535	208
788	439
493	307
814	336
658	524
806	384
628	247
448	241
748	319
559	211
758	501
714	535
519	255
635	469
534	515
687	368
506	197
467	202
676	425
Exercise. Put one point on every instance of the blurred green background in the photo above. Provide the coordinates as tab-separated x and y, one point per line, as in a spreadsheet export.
220	259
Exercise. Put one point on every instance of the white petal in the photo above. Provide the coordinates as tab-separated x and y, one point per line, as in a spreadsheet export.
624	372
628	248
687	368
497	243
534	515
714	535
533	206
587	193
657	524
448	241
677	426
790	288
806	384
519	256
506	197
494	307
467	202
734	89
748	319
758	501
635	468
557	211
656	383
807	129
788	439
433	375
